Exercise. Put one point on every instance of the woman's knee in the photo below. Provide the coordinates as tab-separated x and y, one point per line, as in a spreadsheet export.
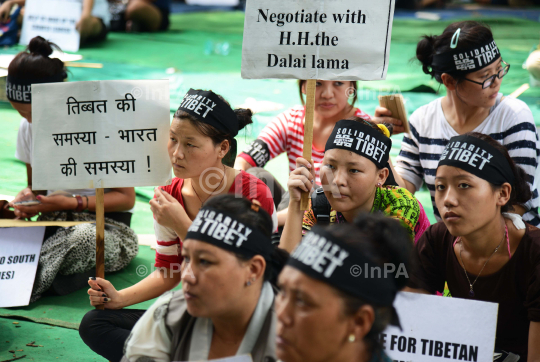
90	321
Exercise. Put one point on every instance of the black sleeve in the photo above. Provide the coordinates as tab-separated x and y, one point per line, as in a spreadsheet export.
429	263
259	152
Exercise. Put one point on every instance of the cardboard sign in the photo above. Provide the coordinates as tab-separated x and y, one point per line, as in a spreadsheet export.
19	256
441	329
54	20
307	39
100	134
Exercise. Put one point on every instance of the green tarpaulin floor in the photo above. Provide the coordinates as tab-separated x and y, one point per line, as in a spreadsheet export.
191	55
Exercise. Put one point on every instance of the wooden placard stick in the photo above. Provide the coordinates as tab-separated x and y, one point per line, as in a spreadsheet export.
100	236
311	86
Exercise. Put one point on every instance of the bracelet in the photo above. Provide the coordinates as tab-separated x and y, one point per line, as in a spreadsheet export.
79	203
86	203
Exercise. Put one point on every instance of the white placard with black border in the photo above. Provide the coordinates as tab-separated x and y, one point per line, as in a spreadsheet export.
307	39
100	134
437	328
19	256
54	20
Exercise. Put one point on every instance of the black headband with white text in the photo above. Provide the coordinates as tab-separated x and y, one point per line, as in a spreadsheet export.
478	157
466	60
207	107
225	231
361	139
20	90
331	260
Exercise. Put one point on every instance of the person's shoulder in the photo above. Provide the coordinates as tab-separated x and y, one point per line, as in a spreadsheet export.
361	114
399	192
426	112
175	188
532	238
437	235
293	114
510	104
175	302
254	188
510	112
25	126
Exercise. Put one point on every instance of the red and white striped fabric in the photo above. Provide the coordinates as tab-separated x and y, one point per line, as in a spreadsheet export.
169	245
286	134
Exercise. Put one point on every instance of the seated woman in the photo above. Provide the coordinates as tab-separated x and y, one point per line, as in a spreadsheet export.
482	251
472	104
327	314
286	133
356	177
68	255
202	150
226	306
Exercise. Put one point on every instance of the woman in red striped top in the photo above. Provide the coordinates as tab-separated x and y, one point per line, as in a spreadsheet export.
286	132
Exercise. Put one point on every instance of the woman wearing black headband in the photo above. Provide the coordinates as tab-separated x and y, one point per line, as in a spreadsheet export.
356	177
202	150
334	100
226	306
466	60
481	250
327	310
67	254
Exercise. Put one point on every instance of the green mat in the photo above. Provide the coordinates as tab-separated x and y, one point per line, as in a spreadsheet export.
67	311
54	343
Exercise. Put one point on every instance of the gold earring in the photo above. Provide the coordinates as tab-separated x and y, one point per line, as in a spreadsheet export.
352	338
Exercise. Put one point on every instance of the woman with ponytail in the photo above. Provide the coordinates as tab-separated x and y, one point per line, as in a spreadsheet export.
482	249
356	177
67	256
202	150
466	60
226	305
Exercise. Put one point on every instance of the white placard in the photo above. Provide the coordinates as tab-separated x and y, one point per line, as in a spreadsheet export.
436	328
54	20
317	39
100	134
19	256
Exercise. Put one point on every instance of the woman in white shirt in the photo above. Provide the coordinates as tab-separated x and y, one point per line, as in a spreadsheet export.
466	60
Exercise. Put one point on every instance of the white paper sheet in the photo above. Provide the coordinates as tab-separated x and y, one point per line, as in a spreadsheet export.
54	20
19	256
436	328
322	39
100	134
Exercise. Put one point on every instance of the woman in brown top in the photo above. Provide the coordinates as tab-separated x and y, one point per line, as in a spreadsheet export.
482	251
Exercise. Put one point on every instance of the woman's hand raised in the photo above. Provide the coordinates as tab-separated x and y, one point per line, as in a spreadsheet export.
102	292
301	180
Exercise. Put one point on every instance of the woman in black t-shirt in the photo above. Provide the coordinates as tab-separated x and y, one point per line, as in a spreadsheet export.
481	250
